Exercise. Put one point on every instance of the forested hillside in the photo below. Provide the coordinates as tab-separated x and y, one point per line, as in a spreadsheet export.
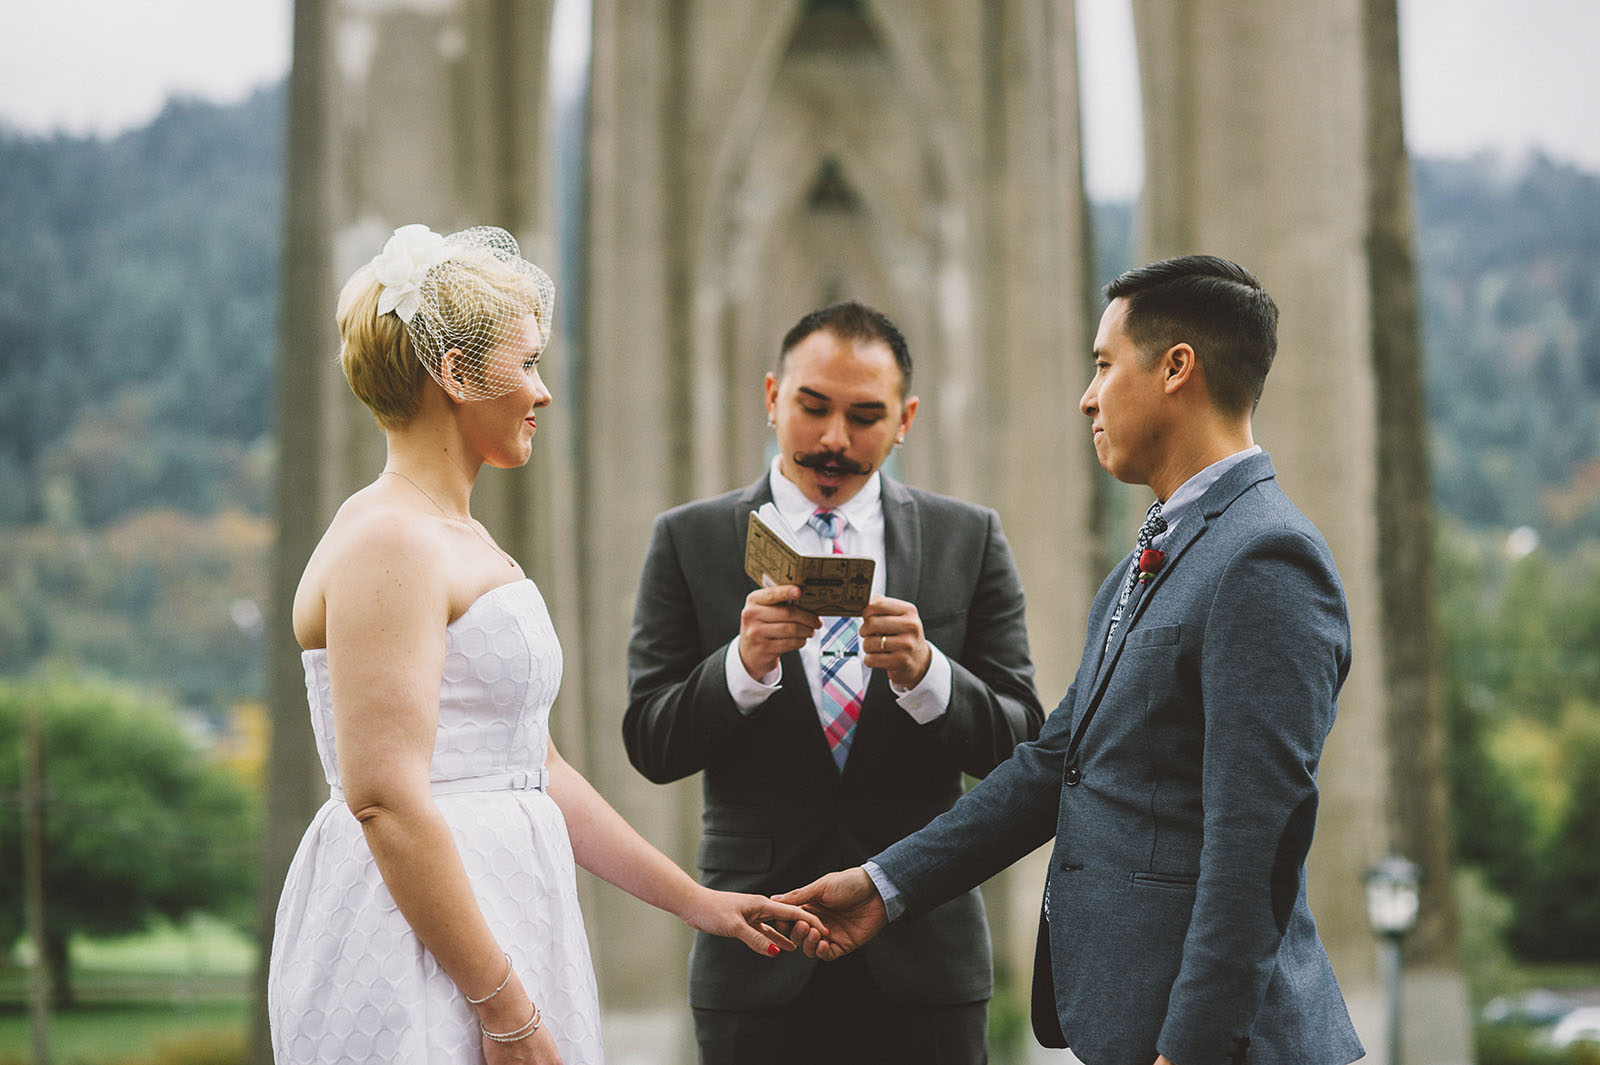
137	310
1510	268
1508	258
137	318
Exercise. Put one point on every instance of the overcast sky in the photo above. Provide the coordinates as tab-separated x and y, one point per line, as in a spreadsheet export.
1477	73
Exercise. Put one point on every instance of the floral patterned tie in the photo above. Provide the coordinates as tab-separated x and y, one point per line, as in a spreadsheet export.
1154	525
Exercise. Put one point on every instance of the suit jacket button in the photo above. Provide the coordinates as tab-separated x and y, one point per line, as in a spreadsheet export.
1073	776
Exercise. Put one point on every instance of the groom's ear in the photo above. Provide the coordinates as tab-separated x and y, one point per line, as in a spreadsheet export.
1179	365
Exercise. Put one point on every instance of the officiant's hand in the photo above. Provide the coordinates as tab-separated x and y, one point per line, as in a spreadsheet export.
892	640
849	912
770	625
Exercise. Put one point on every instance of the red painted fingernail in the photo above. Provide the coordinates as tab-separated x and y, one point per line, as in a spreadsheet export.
772	949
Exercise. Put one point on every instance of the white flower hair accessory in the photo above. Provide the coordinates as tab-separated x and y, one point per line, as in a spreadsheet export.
403	264
477	313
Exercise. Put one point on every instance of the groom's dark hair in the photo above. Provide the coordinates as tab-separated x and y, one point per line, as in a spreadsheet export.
1216	307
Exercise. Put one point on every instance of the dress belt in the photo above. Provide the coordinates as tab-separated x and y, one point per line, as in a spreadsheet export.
512	780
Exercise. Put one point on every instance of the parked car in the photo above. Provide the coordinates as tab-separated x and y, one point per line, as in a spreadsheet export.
1536	1008
1582	1025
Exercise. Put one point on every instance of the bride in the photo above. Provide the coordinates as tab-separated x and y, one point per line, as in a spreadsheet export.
431	913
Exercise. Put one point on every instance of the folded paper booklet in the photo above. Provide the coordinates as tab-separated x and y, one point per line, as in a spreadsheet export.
830	585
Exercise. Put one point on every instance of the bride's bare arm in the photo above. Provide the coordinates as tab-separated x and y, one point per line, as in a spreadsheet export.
387	607
606	845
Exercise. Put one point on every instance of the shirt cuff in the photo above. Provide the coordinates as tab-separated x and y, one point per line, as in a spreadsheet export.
892	902
747	692
929	700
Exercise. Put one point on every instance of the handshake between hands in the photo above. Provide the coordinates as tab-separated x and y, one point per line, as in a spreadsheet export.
836	915
848	911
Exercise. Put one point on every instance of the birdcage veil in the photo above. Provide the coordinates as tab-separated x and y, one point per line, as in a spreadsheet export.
474	309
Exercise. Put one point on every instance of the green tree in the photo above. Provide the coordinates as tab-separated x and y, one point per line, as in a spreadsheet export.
140	823
1491	816
1558	918
1523	707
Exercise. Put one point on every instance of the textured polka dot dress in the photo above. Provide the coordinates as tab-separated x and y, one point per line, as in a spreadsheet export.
349	981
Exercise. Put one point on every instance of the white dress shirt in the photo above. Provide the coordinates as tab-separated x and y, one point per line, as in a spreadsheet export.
862	535
1189	492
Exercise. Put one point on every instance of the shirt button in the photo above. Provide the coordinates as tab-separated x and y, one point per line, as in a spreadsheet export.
1073	776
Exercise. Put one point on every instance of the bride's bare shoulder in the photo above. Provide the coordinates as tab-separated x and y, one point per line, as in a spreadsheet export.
373	540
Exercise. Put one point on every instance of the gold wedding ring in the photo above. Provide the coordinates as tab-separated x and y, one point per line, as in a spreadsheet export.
883	644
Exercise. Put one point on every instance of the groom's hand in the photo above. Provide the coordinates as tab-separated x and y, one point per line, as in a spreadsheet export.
846	903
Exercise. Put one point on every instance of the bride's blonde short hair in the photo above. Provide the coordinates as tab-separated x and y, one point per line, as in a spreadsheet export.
469	300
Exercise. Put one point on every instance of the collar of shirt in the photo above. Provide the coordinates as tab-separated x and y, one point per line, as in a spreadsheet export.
1189	493
863	515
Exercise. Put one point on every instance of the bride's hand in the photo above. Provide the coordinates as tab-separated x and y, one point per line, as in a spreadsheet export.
508	1010
750	918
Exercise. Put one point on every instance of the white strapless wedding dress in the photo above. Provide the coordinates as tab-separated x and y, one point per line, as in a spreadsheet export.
349	981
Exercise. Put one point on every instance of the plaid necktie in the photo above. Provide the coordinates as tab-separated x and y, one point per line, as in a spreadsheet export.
1154	525
841	658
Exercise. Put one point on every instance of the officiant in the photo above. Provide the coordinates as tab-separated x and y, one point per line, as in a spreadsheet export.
822	740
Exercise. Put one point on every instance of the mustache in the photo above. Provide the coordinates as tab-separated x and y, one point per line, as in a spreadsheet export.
833	461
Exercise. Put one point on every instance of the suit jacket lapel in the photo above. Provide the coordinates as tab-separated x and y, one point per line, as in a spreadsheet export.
902	541
1185	534
749	500
1207	509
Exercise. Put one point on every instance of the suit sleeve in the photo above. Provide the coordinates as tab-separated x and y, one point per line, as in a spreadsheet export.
1276	649
1008	814
678	698
993	705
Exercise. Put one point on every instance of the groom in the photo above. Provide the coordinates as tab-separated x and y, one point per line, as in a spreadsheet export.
1178	776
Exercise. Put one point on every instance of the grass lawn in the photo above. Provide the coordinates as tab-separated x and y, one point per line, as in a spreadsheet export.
176	994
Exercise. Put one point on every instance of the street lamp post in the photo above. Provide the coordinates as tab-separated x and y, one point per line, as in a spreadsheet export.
1393	898
33	802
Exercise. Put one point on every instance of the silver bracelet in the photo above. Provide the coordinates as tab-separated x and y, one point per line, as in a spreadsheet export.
496	991
517	1036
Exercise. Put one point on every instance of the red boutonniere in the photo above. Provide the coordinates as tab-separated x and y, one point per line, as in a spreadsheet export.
1150	561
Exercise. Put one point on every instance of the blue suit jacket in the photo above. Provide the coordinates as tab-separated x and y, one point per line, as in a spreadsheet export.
1178	777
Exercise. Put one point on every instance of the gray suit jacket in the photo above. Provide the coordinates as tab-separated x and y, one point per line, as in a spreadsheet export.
1178	778
778	813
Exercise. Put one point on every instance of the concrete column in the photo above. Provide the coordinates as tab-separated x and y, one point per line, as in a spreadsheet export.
631	436
953	130
293	772
749	162
1436	1003
1256	144
1033	362
399	111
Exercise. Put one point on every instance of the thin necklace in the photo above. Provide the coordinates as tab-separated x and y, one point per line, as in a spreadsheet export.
468	522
